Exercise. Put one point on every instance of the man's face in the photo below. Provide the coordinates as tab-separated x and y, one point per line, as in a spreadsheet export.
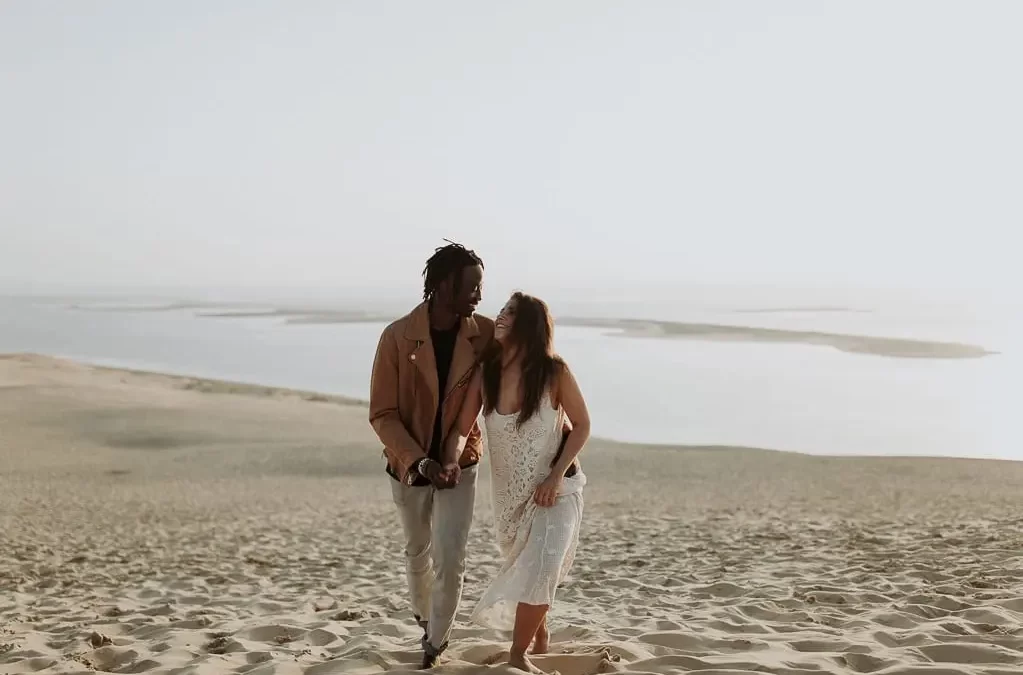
467	294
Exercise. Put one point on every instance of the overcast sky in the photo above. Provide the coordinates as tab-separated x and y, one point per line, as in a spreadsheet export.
265	144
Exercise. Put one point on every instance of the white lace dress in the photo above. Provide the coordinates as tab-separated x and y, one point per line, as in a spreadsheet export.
538	543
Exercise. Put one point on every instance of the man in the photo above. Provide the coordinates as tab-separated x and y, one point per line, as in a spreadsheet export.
423	363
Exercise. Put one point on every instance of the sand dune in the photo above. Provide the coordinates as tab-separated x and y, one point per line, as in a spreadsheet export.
156	524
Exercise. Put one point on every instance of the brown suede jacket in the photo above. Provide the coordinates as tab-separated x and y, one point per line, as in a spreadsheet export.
403	393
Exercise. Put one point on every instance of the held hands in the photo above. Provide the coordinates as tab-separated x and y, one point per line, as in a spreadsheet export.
452	473
444	476
547	492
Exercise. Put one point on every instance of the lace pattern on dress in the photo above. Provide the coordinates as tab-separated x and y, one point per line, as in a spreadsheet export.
538	544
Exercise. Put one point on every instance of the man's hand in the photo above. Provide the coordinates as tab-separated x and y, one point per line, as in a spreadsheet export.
452	473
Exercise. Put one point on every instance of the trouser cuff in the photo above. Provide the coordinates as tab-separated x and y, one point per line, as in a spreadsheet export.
430	650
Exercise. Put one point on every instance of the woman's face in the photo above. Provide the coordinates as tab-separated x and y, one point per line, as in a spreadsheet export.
505	320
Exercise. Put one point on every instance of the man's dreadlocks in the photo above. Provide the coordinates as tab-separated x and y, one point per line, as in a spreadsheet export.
446	261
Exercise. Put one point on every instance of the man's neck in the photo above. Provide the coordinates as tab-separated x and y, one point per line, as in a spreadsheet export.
442	318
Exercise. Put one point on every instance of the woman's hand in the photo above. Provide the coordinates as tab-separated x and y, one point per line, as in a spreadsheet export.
452	473
547	492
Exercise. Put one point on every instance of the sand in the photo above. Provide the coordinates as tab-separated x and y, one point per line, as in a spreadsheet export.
154	524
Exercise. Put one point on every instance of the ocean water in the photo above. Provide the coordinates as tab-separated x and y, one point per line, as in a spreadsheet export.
796	397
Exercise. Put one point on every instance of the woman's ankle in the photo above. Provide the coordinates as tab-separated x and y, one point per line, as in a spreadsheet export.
541	641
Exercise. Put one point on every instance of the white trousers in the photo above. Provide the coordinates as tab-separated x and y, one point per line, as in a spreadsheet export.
436	525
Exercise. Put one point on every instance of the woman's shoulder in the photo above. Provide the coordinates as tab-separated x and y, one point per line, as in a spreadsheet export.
558	371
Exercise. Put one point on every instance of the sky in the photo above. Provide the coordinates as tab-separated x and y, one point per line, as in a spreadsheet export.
574	145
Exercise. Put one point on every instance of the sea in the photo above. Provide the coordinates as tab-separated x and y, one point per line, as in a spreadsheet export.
797	397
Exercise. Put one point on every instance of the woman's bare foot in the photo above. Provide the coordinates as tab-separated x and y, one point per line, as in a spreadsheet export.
542	640
522	663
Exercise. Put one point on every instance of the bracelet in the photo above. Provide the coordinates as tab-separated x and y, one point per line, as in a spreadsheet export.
420	466
414	470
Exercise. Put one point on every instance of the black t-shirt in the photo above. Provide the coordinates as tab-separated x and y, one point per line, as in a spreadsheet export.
443	352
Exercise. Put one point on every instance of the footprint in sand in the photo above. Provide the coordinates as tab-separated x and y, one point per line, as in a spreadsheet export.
98	640
277	634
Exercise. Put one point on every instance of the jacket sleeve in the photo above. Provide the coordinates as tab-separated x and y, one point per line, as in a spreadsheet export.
383	403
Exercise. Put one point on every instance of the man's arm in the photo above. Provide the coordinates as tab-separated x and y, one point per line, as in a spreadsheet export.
383	403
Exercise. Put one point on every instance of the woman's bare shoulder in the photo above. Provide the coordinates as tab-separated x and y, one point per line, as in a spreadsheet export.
557	375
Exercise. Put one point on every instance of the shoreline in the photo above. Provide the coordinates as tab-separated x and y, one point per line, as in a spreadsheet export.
219	386
851	343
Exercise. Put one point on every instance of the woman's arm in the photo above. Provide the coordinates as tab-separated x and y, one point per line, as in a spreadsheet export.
470	410
574	405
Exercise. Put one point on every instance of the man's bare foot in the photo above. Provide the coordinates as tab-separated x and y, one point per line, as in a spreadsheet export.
522	663
542	640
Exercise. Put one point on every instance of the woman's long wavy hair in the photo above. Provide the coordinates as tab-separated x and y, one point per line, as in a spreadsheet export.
533	334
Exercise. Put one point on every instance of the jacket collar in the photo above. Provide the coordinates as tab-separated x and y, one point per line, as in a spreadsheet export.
418	326
463	359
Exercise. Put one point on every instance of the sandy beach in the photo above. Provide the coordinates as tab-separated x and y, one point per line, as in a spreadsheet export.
160	524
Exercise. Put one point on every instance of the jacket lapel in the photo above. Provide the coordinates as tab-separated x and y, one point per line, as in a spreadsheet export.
421	351
463	360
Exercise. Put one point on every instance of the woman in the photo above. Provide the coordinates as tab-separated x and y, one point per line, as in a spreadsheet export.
525	392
